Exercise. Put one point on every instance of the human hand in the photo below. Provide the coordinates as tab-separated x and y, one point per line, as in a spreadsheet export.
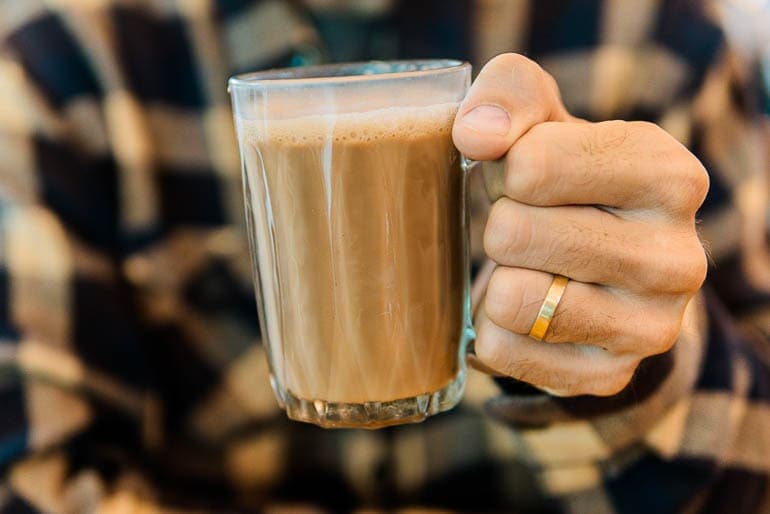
610	205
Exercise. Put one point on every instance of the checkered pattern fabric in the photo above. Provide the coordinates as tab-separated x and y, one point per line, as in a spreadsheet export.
131	378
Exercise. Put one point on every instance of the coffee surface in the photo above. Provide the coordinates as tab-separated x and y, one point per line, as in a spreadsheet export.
358	222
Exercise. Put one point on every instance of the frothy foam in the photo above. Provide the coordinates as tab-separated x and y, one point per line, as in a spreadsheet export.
404	123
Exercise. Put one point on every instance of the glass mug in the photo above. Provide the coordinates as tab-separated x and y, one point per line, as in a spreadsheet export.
356	212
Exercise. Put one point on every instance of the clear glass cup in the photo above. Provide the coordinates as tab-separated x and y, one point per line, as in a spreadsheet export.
356	212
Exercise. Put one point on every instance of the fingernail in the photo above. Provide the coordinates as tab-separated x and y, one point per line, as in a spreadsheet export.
488	119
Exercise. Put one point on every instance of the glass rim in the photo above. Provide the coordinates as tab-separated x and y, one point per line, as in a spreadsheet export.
331	74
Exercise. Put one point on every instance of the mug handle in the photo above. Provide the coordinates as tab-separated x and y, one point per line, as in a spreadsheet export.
493	175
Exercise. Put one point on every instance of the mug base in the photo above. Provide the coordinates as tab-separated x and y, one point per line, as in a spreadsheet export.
373	415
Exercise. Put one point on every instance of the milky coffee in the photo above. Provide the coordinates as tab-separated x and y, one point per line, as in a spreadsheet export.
358	221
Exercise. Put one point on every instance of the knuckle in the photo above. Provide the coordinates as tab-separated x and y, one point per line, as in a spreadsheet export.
603	374
504	301
524	78
551	83
535	373
654	142
668	336
690	269
658	335
680	264
496	239
488	350
609	387
685	179
695	269
614	382
605	137
647	132
527	170
694	185
663	277
502	297
491	349
646	128
511	61
506	235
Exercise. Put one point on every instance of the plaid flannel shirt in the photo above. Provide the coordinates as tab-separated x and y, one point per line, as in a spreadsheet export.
131	378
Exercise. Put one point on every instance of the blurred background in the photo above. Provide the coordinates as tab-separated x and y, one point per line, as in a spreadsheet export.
131	374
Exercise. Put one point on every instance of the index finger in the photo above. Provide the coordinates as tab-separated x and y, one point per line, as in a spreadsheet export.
510	95
616	164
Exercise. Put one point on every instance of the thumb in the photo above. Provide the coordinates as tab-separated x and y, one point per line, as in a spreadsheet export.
510	95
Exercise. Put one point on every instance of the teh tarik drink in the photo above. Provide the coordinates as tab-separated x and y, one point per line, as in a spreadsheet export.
357	219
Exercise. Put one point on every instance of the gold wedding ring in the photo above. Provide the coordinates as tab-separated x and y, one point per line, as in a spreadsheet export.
552	299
